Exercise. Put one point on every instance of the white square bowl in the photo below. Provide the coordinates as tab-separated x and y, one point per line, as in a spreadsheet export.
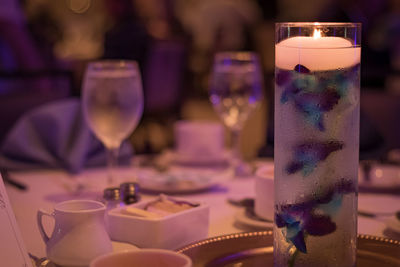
169	232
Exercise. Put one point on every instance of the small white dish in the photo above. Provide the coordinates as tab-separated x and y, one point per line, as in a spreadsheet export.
181	180
168	232
264	187
143	257
242	218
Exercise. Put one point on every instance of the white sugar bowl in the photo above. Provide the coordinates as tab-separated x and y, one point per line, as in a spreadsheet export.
135	225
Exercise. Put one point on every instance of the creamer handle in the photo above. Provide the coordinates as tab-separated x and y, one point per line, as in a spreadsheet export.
39	216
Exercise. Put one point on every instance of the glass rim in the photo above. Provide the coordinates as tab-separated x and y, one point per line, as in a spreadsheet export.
114	63
321	24
238	55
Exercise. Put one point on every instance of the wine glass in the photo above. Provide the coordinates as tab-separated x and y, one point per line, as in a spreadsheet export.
112	104
235	91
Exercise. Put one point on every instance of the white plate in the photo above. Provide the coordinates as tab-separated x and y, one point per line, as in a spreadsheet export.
122	246
241	217
382	177
181	180
199	160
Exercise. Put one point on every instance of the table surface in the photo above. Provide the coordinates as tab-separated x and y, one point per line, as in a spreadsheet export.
47	187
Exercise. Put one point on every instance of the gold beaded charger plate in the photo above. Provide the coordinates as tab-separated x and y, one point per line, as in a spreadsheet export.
255	249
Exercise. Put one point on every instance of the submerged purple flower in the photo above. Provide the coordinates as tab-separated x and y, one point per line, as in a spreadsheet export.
309	154
289	93
322	101
301	219
314	104
301	69
279	220
315	93
319	225
282	77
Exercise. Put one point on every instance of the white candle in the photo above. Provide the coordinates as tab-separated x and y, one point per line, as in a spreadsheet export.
316	53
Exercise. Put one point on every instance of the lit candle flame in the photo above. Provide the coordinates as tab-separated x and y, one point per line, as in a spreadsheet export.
317	34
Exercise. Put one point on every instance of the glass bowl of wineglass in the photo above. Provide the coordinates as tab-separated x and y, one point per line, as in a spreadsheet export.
236	87
112	104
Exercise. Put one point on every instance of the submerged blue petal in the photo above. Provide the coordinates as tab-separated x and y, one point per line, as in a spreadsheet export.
298	242
292	230
333	206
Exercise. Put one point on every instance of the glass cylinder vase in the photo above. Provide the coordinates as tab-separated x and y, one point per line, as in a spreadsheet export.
317	103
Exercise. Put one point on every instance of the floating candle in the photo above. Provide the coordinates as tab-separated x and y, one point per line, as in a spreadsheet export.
316	52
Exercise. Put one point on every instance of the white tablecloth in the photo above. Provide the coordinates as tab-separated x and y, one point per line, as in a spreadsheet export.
47	187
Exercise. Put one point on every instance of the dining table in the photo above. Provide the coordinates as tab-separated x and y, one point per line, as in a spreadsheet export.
46	187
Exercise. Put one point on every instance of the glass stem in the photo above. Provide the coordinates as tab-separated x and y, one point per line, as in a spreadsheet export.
235	144
112	160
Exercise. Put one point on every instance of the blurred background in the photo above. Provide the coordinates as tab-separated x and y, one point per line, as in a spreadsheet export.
45	46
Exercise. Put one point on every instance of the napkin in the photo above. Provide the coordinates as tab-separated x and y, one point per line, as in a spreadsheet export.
55	135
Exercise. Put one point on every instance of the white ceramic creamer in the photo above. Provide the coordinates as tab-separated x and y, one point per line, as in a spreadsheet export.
79	233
